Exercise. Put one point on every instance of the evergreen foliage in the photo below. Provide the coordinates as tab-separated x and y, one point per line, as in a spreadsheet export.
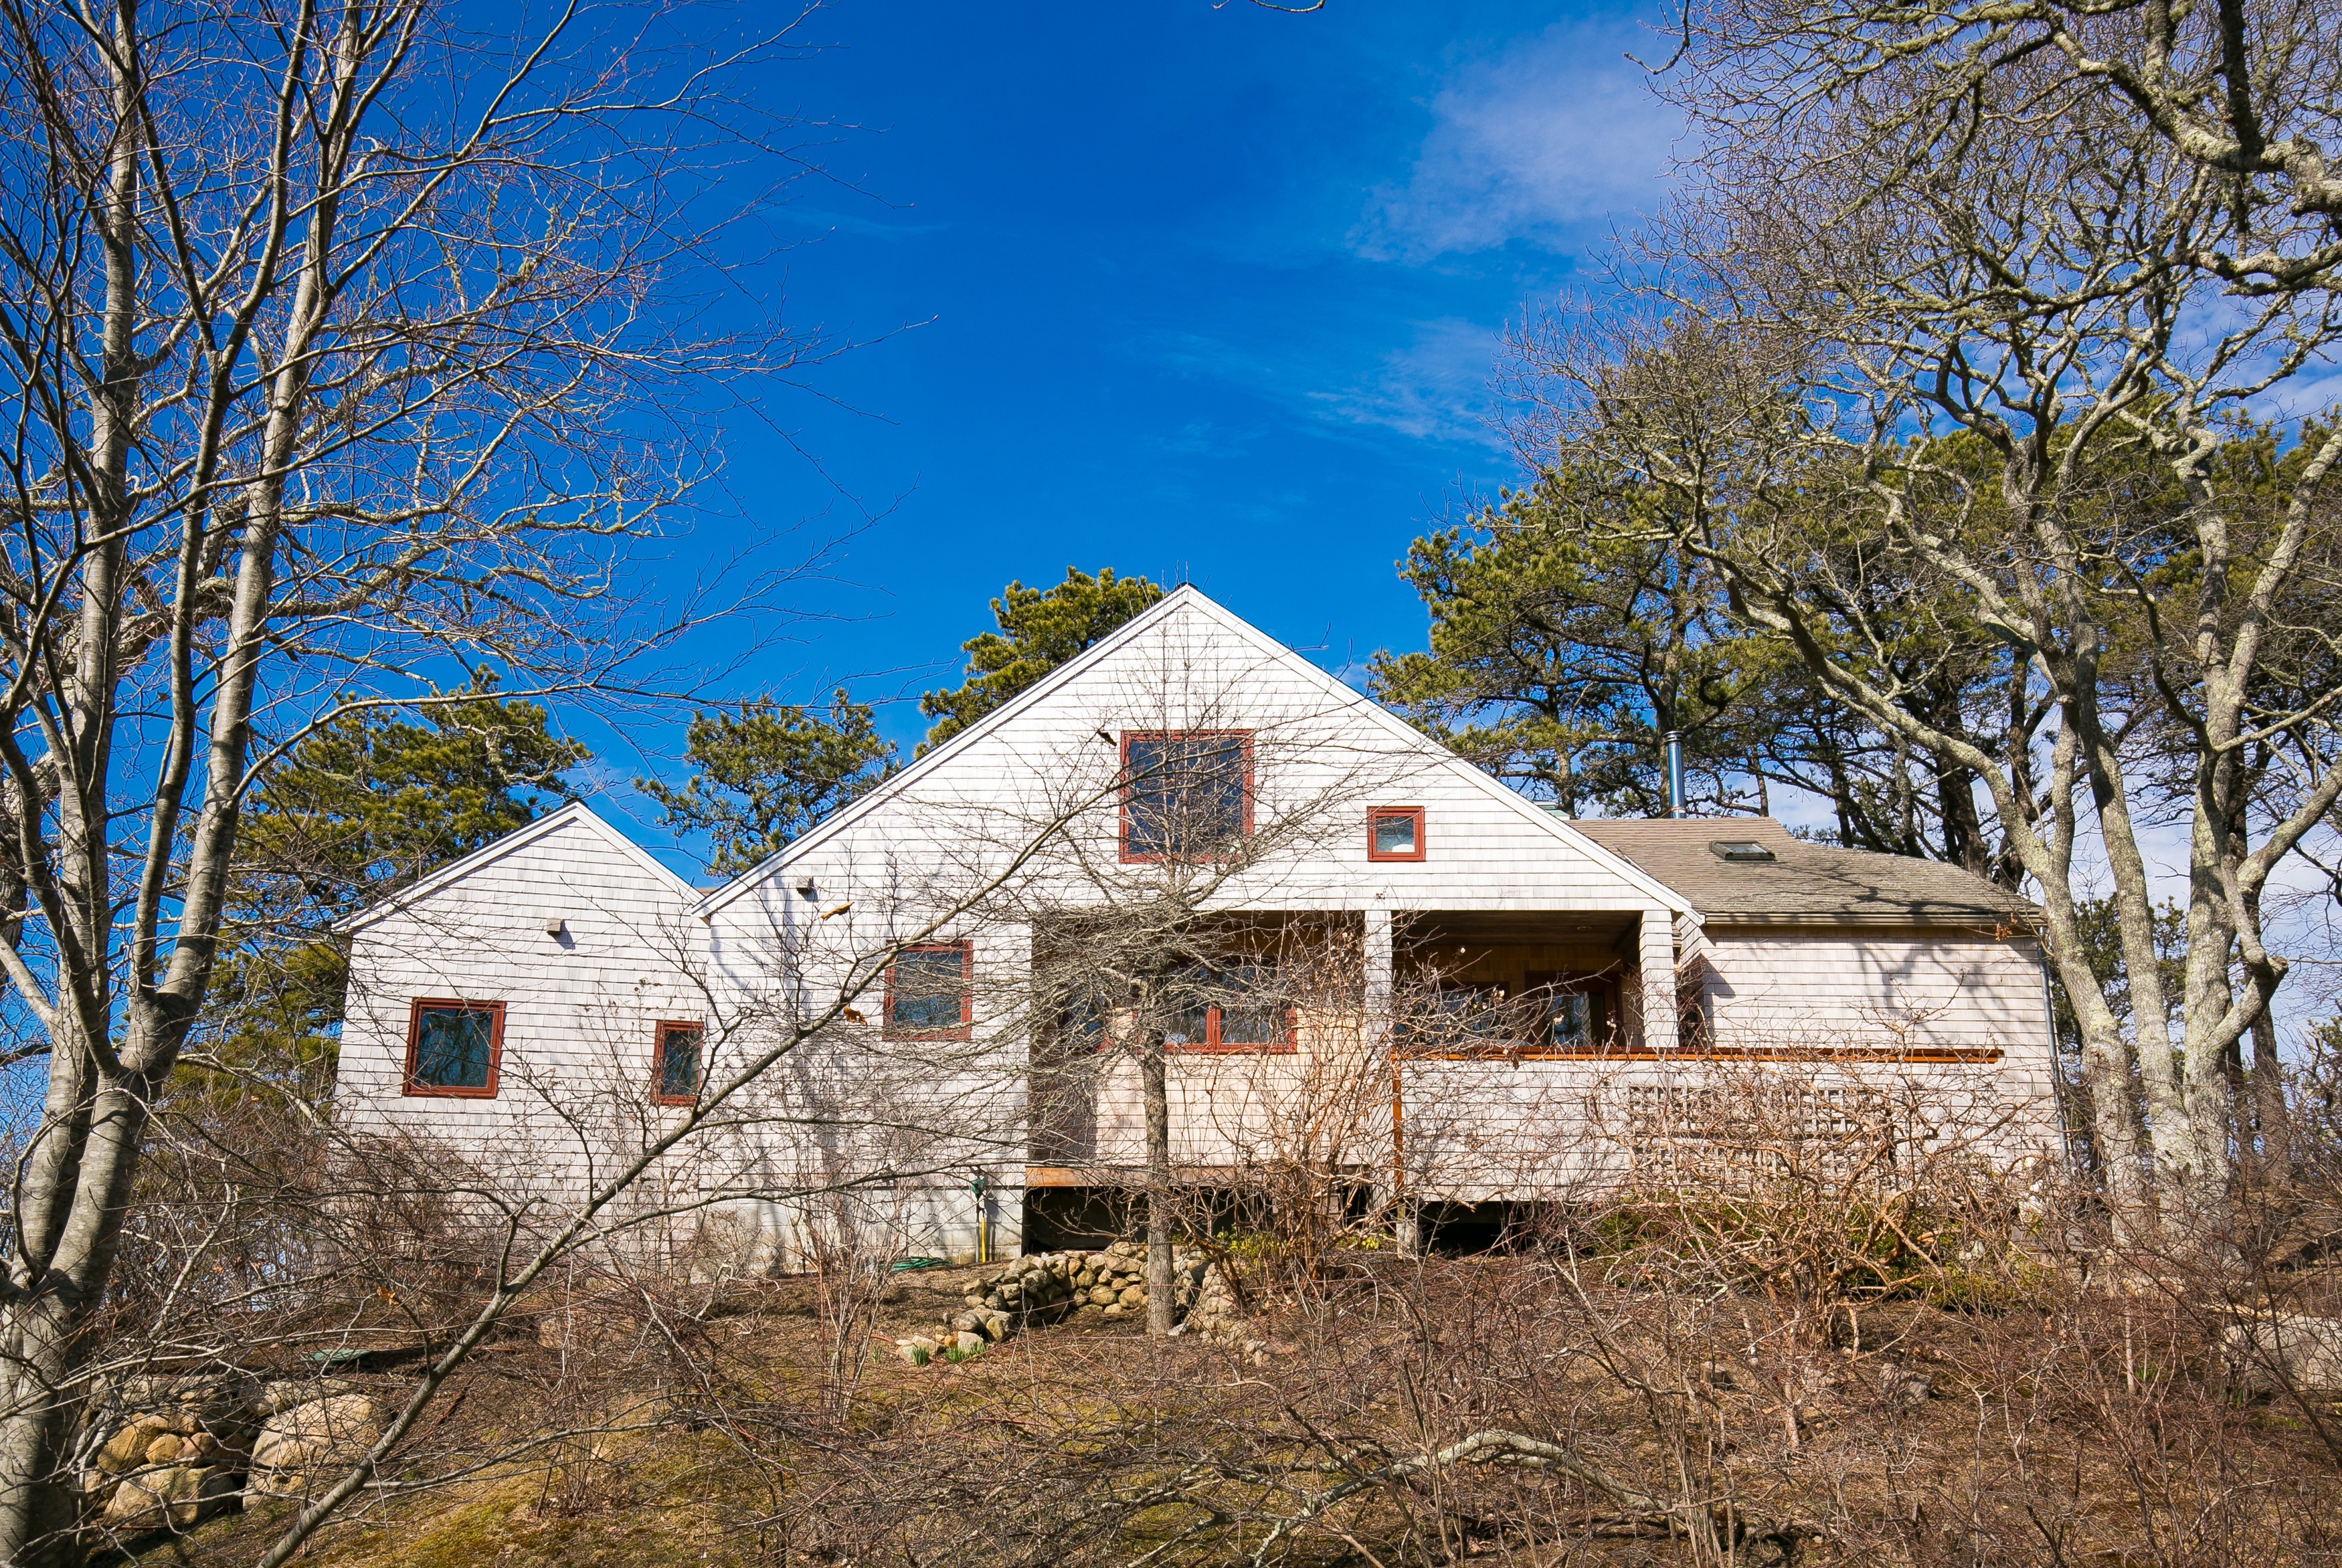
368	805
1040	629
1561	656
768	774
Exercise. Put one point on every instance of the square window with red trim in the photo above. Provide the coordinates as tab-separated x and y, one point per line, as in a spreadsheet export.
1395	833
678	1062
454	1048
931	992
1186	795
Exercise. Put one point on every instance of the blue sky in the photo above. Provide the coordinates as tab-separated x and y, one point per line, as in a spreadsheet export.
1205	294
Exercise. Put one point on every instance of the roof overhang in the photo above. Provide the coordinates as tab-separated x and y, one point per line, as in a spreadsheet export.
2008	924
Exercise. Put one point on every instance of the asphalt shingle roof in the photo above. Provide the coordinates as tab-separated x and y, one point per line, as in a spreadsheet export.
1805	884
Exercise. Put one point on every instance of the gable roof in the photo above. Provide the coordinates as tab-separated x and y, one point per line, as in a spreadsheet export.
1187	597
1806	883
576	813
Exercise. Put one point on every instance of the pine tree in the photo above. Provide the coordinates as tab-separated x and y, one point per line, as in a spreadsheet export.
365	807
1561	656
768	774
1040	629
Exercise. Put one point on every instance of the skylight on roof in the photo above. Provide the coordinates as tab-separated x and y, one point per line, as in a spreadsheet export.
1738	849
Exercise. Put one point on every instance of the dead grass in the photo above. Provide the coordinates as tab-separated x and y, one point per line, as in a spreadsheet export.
2079	1428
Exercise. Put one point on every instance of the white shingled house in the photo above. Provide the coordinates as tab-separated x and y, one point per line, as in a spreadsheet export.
1353	947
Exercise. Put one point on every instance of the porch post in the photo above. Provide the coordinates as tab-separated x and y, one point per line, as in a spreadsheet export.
1657	958
1379	986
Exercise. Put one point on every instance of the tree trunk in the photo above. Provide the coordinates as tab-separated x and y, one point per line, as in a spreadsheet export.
1155	1070
2267	1086
37	1515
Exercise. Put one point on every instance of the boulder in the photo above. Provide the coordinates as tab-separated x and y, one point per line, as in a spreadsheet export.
125	1451
2276	1349
1903	1388
175	1497
300	1446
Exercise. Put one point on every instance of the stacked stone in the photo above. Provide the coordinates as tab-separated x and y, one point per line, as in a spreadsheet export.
179	1450
1216	1317
1047	1287
170	1464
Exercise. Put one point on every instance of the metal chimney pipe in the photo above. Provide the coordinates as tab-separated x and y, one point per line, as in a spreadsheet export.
1675	775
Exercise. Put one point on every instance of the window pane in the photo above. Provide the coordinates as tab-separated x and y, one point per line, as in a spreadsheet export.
1186	1001
1472	1015
1395	834
679	1063
929	983
452	1047
1573	1019
1252	1013
1186	795
1082	1023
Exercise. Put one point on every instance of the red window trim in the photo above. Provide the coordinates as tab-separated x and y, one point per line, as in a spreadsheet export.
1214	1045
1376	813
658	1060
1122	824
1607	983
966	1030
495	1010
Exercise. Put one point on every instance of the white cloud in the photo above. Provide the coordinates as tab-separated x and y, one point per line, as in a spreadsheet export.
1560	129
1433	389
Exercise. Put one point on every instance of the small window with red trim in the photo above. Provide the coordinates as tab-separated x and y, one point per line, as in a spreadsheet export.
453	1047
930	994
1186	795
1395	833
677	1062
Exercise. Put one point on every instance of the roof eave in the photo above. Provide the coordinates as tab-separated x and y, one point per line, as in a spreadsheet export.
1937	920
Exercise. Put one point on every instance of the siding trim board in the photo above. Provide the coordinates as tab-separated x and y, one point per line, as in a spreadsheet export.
1744	920
1887	1054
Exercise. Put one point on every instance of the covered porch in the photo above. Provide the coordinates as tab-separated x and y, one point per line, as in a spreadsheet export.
1324	1012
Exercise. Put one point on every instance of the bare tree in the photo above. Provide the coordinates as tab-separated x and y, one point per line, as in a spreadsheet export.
1980	364
1185	940
338	360
2244	91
